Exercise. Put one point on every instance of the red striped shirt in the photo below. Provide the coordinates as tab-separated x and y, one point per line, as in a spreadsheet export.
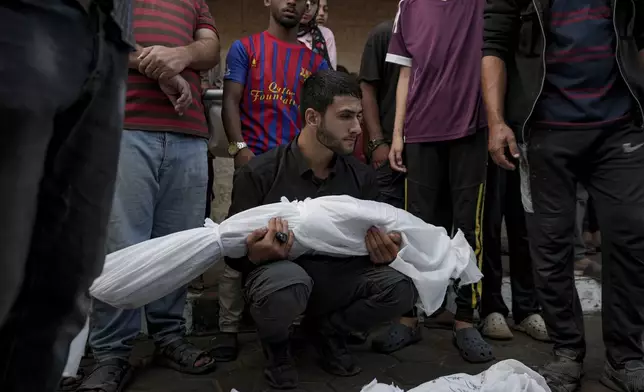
168	23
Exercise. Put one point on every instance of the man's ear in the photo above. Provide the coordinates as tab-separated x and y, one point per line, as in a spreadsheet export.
311	117
267	3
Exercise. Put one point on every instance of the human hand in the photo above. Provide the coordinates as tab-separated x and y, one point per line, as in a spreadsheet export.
500	137
243	157
178	91
160	62
380	156
382	247
396	153
263	244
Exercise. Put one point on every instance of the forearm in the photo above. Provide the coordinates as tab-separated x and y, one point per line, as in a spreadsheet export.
203	54
133	60
370	111
493	77
231	119
402	89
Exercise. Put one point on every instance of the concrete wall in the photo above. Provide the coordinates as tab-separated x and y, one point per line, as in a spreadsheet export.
350	20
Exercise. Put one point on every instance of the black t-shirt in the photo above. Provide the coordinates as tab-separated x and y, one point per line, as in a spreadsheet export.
383	75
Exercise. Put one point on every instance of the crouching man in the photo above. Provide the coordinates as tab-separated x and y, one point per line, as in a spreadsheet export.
339	295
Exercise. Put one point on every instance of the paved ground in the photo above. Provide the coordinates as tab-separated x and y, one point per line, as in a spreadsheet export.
432	358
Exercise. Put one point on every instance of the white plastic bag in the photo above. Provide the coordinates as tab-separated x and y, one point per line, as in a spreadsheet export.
76	352
336	225
142	273
506	376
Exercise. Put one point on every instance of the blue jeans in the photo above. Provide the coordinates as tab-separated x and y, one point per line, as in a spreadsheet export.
160	189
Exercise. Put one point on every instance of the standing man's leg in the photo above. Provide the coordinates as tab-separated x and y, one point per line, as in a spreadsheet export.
422	191
113	330
467	172
180	202
617	188
525	303
553	185
62	120
231	309
494	311
583	265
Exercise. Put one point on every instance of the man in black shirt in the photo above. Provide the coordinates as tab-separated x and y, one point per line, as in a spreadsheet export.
340	295
378	81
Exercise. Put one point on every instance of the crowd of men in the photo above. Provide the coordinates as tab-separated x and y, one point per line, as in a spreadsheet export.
106	146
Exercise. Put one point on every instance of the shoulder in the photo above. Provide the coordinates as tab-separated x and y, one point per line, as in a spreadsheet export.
383	30
264	165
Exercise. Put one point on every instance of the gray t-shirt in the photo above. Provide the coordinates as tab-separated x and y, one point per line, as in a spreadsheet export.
441	40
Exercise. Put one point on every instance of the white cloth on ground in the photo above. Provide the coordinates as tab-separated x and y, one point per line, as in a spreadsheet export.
332	225
506	376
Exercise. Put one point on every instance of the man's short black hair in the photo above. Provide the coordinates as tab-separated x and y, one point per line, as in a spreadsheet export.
322	87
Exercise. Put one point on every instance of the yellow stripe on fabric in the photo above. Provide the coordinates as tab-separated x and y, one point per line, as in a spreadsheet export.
477	288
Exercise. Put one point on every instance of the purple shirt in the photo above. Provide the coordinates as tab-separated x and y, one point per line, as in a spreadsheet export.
441	41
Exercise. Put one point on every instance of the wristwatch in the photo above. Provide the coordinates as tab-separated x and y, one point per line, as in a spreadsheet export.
375	143
235	147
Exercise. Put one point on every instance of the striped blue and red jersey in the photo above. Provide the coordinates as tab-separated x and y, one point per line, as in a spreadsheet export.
272	73
169	23
583	86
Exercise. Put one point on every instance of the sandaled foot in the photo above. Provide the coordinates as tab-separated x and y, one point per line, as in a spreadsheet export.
471	346
111	375
397	337
496	327
225	347
184	357
535	327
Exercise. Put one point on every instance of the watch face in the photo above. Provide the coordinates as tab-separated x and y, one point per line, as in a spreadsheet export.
232	149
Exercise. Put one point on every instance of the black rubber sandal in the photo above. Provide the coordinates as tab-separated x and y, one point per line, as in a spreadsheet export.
471	345
112	375
397	337
182	355
225	347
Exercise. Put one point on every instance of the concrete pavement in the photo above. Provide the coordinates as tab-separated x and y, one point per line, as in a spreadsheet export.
433	357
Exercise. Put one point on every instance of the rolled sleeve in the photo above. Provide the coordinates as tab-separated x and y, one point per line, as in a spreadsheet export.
204	17
500	28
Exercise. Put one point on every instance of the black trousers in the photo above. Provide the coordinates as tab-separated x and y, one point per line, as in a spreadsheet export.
453	170
352	292
610	164
503	199
61	106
